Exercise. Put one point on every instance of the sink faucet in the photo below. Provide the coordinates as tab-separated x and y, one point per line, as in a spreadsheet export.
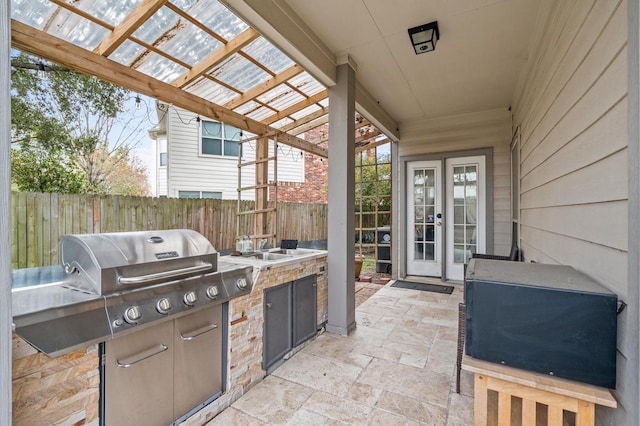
261	244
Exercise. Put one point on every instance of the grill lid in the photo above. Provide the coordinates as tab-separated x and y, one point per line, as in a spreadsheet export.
121	261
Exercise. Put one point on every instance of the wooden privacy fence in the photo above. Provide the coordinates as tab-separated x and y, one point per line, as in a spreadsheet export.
38	221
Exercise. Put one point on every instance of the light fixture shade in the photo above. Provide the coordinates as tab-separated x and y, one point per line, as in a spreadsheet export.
424	37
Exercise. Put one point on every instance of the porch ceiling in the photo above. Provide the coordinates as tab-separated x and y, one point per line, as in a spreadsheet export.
271	79
475	66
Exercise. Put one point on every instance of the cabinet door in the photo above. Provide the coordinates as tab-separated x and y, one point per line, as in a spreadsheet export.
138	382
198	358
304	309
277	324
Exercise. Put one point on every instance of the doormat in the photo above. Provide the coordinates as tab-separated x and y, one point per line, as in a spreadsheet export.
445	289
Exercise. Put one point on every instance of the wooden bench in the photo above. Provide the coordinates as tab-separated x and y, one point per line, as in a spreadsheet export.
566	401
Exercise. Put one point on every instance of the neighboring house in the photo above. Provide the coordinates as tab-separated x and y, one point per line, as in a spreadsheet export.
195	157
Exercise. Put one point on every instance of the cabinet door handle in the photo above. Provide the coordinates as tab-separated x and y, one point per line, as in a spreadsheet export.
199	332
269	305
144	355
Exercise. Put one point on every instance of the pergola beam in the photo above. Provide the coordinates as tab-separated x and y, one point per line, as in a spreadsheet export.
264	87
28	39
233	46
297	107
306	119
129	25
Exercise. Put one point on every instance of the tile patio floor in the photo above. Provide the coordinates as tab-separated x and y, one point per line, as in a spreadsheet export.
396	368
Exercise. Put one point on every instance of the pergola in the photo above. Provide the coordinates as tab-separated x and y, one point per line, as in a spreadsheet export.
200	56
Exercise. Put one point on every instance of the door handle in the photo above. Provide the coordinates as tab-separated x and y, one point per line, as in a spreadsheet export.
144	355
198	332
269	305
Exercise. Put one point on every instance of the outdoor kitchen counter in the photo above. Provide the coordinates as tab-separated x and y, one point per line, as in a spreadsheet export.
66	389
302	254
246	322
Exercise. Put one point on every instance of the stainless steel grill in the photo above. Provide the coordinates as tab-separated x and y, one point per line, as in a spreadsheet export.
114	283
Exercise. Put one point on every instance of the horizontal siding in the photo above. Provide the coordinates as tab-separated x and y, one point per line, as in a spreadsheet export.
572	112
190	171
488	129
609	267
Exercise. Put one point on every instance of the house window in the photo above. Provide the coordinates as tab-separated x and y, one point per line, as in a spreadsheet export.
162	151
200	194
219	139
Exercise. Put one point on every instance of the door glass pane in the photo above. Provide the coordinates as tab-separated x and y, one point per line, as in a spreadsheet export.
465	214
424	200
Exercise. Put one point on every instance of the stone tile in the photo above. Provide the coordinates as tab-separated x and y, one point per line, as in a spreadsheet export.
460	410
319	373
408	381
378	351
338	409
448	333
274	400
372	335
417	409
364	394
304	417
415	334
338	348
413	360
232	416
383	310
384	418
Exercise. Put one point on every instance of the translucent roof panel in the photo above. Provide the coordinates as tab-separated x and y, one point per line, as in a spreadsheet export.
306	84
127	53
268	55
191	44
306	111
260	114
281	97
59	22
211	91
34	13
160	27
282	122
239	73
214	16
246	107
161	68
109	11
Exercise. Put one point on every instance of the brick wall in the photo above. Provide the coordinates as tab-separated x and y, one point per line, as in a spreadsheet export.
314	189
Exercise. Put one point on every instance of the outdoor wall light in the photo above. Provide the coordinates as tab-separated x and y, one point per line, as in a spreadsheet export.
424	37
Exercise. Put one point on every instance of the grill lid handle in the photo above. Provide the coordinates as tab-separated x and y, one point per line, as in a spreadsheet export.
163	275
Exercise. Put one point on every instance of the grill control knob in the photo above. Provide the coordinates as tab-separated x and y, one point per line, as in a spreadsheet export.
212	292
190	298
163	306
241	283
132	315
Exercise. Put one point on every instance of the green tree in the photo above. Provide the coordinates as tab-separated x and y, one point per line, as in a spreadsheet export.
71	126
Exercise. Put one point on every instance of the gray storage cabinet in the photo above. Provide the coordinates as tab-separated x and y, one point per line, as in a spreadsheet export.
289	318
549	319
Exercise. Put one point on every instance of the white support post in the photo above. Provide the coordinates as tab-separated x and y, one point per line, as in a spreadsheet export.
341	243
5	211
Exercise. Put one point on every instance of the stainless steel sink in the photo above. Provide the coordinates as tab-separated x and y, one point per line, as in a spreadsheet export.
290	252
271	256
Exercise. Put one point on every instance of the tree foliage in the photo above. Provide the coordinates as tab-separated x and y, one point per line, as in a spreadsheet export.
71	132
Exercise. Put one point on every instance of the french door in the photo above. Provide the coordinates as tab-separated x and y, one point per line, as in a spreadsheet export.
446	215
